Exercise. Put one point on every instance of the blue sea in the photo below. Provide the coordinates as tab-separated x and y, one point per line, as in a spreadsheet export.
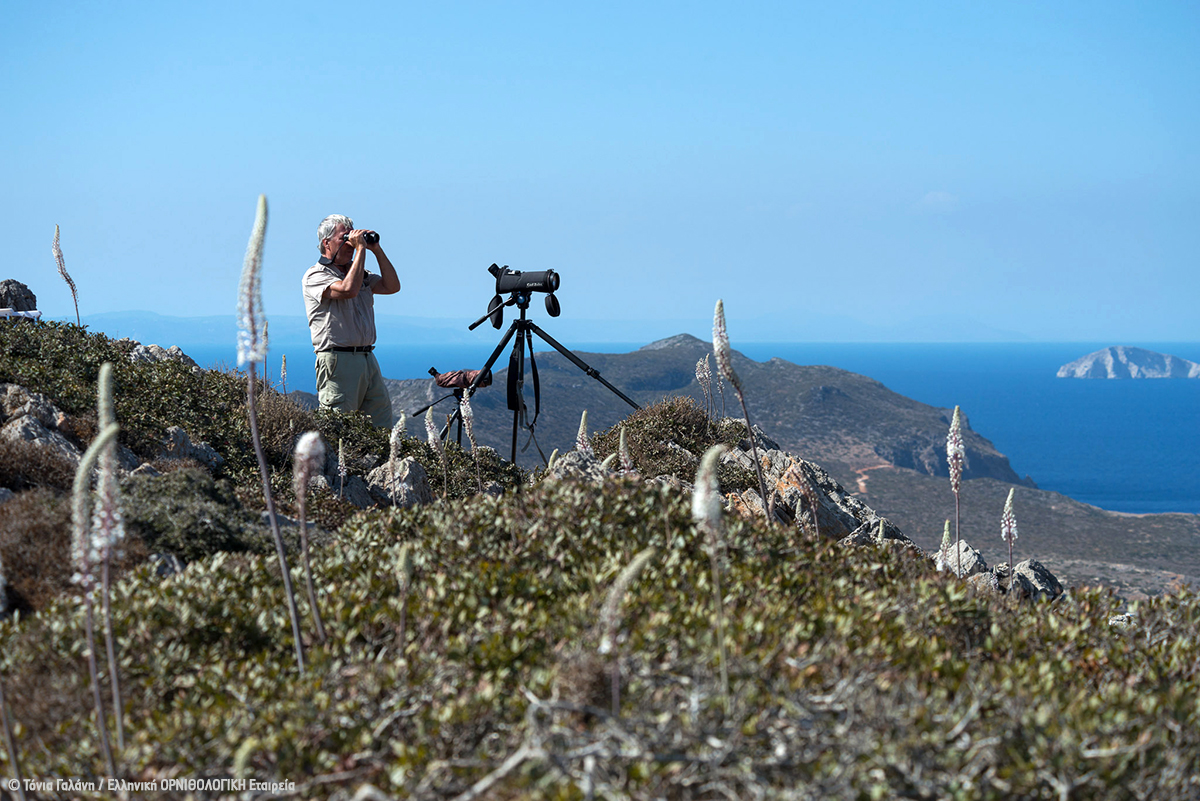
1127	446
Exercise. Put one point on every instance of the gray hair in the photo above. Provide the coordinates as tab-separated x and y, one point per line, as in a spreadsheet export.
325	229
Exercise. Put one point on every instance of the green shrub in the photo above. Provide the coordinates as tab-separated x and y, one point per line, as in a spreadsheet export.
853	674
680	421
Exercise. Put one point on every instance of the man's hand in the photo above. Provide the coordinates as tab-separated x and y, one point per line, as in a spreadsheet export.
356	239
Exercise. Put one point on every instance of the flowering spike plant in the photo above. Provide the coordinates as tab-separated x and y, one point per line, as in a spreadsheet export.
62	270
707	509
252	351
704	378
307	462
394	453
404	575
468	419
582	443
956	455
941	561
86	554
610	618
341	467
435	442
283	374
623	450
1008	526
724	356
108	528
252	343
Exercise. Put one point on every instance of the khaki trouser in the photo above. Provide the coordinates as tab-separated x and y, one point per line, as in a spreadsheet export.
352	382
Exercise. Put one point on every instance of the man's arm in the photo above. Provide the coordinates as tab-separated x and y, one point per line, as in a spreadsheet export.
389	282
348	287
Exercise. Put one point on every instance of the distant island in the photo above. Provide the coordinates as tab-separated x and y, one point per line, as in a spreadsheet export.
1125	362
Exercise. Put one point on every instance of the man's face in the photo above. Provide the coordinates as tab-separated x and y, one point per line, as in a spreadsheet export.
336	248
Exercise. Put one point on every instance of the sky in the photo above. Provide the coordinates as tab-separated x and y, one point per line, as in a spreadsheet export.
957	170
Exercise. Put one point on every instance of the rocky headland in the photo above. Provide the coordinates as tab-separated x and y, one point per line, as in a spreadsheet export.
1121	361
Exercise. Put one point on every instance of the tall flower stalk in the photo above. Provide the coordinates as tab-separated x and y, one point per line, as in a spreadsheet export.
86	552
109	529
1008	528
706	513
435	442
724	356
62	270
582	443
610	619
307	462
468	419
252	351
283	374
341	468
623	451
394	453
956	456
704	378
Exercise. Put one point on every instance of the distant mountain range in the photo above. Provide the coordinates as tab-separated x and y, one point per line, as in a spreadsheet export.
1126	362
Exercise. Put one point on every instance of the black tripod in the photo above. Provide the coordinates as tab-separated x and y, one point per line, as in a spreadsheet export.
524	330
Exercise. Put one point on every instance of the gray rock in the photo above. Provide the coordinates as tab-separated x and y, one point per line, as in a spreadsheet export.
574	464
985	583
157	353
16	401
869	534
972	560
145	469
1044	583
176	444
16	296
409	486
1021	587
357	493
1125	621
6	494
127	460
28	428
837	512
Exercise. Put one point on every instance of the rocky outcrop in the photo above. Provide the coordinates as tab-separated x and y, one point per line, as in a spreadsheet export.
16	296
962	560
1031	581
31	417
1126	362
157	353
178	445
405	487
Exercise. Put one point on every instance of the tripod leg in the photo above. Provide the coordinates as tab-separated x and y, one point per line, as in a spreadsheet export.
581	364
512	329
516	364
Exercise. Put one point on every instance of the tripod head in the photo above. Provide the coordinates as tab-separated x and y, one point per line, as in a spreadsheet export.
520	287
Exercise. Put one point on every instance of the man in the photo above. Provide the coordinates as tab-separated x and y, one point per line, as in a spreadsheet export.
339	298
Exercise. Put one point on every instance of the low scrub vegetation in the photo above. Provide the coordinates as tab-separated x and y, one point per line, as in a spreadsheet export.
851	674
466	653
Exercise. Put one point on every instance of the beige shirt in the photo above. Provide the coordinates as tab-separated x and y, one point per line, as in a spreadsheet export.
338	323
